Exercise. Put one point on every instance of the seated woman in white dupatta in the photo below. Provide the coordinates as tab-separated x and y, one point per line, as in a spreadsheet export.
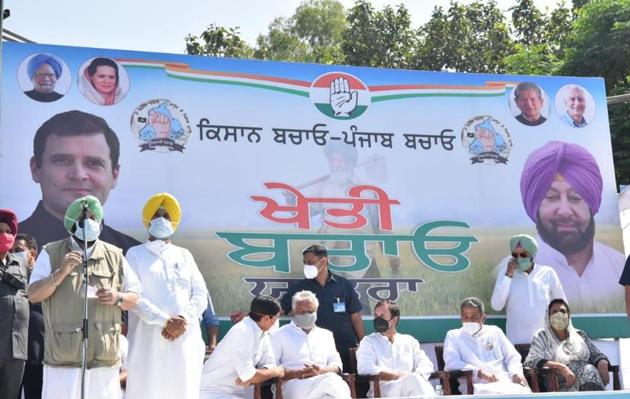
485	350
569	351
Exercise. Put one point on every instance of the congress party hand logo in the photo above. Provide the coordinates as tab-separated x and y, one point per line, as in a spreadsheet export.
342	100
340	95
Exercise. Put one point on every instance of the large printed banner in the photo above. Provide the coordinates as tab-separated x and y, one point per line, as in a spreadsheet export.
413	180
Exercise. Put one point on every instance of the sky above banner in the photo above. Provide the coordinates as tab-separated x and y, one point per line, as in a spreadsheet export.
161	25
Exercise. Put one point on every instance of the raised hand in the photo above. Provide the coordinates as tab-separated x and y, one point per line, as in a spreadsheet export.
161	123
342	100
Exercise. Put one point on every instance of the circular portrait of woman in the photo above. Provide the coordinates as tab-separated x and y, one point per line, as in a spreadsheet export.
103	81
44	77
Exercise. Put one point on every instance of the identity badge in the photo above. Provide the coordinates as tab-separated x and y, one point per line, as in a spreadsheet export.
339	306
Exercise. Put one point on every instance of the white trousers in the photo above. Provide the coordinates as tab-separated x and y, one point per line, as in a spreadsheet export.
65	382
409	385
328	385
499	388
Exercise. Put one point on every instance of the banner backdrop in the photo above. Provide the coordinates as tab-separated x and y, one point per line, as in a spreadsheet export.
413	180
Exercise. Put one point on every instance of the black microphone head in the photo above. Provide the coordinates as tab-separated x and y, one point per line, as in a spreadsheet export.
84	211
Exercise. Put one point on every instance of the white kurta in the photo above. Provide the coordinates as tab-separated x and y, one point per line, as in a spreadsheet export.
244	348
172	286
376	354
488	350
598	283
124	359
294	348
65	382
526	298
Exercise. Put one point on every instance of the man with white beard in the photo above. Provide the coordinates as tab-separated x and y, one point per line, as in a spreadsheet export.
308	354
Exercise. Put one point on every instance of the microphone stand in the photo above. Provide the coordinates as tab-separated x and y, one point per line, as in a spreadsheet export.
84	326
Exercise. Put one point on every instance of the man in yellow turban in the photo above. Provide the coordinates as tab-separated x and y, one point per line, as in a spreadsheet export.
165	344
57	283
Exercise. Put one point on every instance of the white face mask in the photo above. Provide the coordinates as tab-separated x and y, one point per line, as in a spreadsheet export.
92	230
306	320
161	228
22	256
471	327
310	271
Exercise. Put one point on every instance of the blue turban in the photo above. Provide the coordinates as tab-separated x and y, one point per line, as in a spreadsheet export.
40	59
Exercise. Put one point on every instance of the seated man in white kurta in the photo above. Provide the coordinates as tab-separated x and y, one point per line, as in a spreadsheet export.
244	356
396	358
485	350
165	344
308	354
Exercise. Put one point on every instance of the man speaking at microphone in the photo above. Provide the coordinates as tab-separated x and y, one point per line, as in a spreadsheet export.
57	282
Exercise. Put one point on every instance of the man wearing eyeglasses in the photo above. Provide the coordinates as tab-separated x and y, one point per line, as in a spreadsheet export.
525	288
44	70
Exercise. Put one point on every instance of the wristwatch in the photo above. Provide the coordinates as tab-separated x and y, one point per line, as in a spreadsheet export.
119	300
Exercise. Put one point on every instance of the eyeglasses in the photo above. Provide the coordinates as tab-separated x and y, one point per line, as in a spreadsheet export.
520	255
45	75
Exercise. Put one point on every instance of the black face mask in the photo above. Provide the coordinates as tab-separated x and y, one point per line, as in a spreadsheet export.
381	325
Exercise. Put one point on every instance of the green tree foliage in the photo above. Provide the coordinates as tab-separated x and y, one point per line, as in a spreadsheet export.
528	23
218	41
599	44
532	60
379	38
558	28
466	38
313	34
280	44
539	49
619	117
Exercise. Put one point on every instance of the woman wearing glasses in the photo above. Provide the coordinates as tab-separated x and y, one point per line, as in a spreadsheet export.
525	289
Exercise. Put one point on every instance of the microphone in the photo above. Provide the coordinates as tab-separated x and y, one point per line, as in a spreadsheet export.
83	215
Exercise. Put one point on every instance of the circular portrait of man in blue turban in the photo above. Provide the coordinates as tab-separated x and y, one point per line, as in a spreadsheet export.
44	77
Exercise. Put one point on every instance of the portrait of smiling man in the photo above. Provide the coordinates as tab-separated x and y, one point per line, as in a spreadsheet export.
74	154
529	100
561	188
44	70
574	98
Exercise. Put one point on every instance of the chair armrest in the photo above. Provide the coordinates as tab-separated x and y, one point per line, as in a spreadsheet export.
444	381
532	373
272	381
467	374
350	380
615	372
554	385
